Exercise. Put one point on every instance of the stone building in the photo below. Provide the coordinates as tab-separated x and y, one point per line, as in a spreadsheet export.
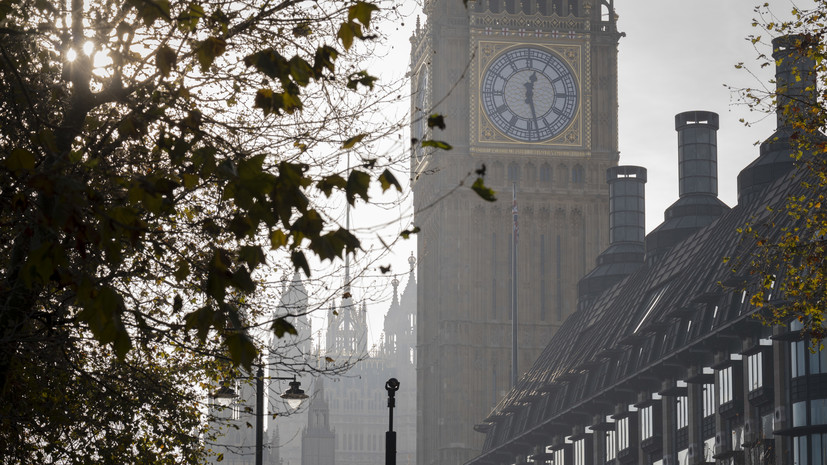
664	363
357	398
345	420
528	89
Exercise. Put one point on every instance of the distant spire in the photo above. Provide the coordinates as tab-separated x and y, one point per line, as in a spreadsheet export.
412	261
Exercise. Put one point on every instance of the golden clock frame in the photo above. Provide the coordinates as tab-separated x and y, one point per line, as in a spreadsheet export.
486	138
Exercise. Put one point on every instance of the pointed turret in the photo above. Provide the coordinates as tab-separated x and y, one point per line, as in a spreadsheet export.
318	438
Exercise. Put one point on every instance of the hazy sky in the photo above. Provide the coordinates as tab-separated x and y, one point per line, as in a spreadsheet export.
676	56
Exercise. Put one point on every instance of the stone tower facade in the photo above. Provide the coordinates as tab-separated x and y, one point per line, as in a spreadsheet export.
528	88
318	439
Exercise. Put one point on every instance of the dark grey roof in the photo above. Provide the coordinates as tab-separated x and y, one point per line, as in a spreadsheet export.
642	331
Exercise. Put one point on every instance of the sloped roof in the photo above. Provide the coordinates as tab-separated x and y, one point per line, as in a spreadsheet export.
647	329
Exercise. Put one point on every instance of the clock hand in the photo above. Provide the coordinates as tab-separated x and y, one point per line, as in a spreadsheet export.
529	97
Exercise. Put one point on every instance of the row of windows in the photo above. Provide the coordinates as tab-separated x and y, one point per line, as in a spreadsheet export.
545	176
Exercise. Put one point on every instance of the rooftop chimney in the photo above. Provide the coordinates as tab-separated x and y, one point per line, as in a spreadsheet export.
698	205
627	226
795	79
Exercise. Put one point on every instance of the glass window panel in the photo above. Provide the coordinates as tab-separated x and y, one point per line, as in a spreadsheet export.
800	450
818	412
800	414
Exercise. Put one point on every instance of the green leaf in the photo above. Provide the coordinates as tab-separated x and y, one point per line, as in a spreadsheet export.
436	120
188	19
281	327
387	179
242	350
484	192
182	270
360	77
201	320
252	255
406	234
349	143
357	185
327	183
300	70
361	11
277	239
165	60
151	10
325	56
20	160
347	32
437	144
241	280
189	181
208	50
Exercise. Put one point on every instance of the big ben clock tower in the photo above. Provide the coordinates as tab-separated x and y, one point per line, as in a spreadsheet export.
529	89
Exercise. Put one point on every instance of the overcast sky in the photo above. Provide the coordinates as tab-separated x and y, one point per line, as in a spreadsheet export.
677	56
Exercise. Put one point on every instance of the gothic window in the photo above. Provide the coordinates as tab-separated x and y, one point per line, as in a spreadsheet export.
557	7
510	6
542	289
513	172
563	172
542	7
545	174
578	175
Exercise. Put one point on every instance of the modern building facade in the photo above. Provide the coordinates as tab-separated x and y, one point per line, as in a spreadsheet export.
665	364
528	89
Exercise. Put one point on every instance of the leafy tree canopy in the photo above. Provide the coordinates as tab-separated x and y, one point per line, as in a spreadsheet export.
789	277
156	158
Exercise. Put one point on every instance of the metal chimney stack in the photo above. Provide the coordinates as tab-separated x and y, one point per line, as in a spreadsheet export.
698	204
627	227
627	204
697	152
795	79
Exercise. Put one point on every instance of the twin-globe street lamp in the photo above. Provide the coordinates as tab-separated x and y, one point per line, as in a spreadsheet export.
294	397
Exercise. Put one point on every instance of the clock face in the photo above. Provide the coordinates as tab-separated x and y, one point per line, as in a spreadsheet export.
529	93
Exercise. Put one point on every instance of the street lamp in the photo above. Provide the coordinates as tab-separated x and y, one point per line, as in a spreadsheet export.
294	397
391	385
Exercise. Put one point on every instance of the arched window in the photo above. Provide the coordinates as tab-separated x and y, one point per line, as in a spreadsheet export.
513	172
578	175
545	174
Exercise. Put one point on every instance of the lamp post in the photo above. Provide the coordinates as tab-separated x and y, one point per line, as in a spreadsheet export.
294	397
391	385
